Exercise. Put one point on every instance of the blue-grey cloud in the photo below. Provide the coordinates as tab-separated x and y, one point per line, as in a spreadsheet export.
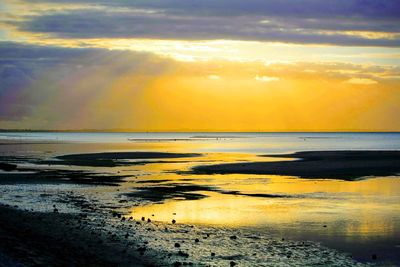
30	75
20	65
291	8
302	21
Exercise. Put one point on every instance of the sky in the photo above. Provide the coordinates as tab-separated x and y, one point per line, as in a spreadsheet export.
200	65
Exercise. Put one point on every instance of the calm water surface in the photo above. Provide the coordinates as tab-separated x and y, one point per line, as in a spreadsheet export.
360	217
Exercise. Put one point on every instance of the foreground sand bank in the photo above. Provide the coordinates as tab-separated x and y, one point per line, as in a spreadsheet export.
60	239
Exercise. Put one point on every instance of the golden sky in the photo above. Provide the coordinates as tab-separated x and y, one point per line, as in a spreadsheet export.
212	66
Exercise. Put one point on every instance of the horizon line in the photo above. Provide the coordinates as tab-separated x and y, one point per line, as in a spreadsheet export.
196	131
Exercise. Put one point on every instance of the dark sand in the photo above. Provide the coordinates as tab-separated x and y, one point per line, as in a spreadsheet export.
187	191
345	165
127	155
53	176
57	239
7	166
113	159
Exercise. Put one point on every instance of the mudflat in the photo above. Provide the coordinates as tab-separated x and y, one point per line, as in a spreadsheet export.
344	165
112	159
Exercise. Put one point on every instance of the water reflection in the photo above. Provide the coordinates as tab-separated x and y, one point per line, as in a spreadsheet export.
364	214
356	214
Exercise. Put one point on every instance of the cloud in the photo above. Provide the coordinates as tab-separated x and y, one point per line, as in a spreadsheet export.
214	77
70	88
343	22
299	8
361	81
64	79
266	79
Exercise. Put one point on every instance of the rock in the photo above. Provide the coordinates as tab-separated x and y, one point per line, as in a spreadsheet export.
177	263
233	237
143	218
232	263
212	254
141	250
183	254
177	245
197	240
148	220
173	221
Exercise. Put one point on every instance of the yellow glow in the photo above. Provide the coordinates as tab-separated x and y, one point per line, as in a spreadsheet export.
219	96
347	199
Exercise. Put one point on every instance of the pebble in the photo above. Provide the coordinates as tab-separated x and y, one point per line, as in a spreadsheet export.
183	254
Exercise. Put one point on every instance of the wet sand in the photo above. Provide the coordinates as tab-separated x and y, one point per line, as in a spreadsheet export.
344	165
113	159
91	238
98	235
59	239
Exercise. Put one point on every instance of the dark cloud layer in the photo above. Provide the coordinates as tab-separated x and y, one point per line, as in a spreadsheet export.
301	21
30	75
293	8
20	65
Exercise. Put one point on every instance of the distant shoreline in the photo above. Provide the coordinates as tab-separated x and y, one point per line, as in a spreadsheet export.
180	131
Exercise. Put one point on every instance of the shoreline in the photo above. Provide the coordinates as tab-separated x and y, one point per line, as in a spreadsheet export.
84	239
99	233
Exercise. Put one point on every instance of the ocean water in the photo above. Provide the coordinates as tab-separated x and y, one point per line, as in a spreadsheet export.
228	142
359	217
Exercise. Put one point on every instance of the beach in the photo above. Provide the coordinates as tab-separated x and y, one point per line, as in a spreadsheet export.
176	203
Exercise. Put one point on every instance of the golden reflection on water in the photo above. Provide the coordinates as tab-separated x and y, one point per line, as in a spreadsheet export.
362	217
362	208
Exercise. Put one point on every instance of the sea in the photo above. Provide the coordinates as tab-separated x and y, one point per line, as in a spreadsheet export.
360	217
